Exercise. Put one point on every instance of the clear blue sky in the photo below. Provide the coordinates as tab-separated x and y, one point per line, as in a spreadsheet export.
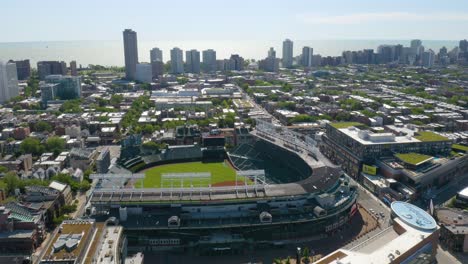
45	20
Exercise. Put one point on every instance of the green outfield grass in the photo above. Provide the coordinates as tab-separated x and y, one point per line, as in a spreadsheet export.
220	172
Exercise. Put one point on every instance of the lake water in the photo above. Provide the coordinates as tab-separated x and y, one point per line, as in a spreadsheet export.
110	53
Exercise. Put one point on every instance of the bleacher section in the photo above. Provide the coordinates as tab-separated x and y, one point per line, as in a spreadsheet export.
280	165
169	155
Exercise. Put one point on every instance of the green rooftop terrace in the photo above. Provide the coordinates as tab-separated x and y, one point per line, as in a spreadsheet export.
413	158
340	125
460	147
428	136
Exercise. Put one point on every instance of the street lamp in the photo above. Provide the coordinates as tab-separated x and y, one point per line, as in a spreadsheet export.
298	255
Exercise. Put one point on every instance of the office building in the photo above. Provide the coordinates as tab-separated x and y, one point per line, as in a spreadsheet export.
69	86
23	69
209	60
236	63
351	144
192	60
48	91
287	53
156	55
307	54
144	72
428	58
177	61
45	68
73	69
130	53
8	81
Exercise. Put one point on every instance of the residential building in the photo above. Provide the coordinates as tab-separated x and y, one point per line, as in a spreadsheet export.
23	69
209	60
287	53
45	68
8	81
192	60
73	69
428	58
307	54
157	68
103	161
69	86
177	61
156	55
130	53
144	72
236	63
270	63
453	228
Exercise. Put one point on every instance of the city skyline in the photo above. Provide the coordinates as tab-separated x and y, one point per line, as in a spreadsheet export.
336	19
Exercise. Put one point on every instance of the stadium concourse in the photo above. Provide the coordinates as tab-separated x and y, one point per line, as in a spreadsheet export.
282	190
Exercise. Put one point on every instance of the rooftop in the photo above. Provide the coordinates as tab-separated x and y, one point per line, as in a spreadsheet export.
340	125
83	228
413	158
391	243
428	136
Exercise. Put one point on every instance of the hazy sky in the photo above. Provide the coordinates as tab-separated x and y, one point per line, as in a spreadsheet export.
46	20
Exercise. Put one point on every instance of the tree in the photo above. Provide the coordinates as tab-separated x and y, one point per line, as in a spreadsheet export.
116	99
55	145
148	129
3	169
305	255
12	182
43	126
151	146
31	145
71	106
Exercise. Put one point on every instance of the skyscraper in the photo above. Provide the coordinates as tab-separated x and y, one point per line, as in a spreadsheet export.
463	45
209	60
287	53
156	55
271	53
23	69
73	70
415	43
307	54
192	59
130	53
177	61
8	81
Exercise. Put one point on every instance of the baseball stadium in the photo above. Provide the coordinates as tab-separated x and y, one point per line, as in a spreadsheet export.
207	200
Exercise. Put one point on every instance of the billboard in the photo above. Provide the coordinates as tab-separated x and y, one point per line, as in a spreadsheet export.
367	169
